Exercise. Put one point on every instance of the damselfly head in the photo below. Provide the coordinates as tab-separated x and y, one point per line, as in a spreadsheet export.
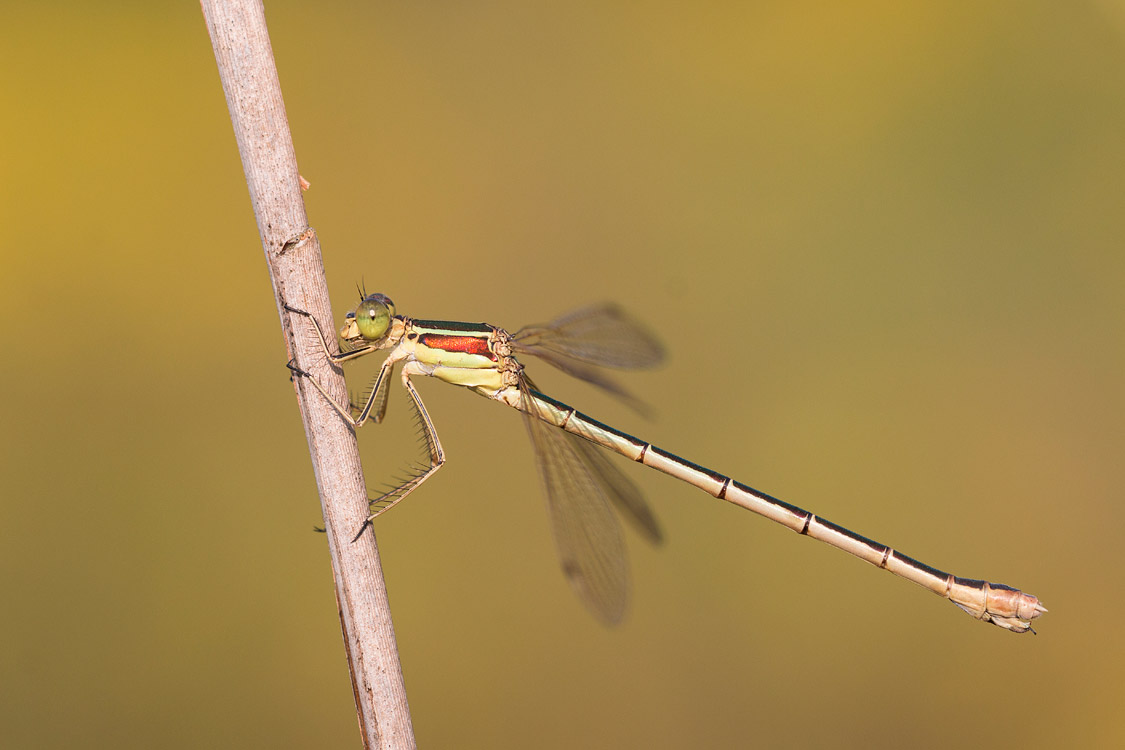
370	320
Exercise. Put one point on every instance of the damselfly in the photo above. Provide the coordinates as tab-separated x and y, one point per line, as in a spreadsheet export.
580	483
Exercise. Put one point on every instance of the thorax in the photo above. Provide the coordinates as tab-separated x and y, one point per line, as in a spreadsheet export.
474	355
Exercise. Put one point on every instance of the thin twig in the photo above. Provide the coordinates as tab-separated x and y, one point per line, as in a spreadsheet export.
246	67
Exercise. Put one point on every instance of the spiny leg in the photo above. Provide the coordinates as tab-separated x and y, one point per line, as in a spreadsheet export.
379	391
375	404
388	500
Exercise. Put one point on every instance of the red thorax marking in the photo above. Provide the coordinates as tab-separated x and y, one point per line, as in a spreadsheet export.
464	344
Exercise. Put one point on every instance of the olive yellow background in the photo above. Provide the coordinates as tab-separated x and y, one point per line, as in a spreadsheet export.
882	241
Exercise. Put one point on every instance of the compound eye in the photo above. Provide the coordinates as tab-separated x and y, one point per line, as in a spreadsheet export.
373	316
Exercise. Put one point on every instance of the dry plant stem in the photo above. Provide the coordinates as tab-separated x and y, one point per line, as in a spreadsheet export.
249	77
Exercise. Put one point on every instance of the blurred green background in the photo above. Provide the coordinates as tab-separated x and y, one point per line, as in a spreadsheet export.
883	244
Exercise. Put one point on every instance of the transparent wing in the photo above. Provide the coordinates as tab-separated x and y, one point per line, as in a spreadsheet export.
580	485
603	336
620	490
588	538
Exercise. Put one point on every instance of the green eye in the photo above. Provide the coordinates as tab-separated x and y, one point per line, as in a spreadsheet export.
373	316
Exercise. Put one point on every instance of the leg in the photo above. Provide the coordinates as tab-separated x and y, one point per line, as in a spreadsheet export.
378	393
390	499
